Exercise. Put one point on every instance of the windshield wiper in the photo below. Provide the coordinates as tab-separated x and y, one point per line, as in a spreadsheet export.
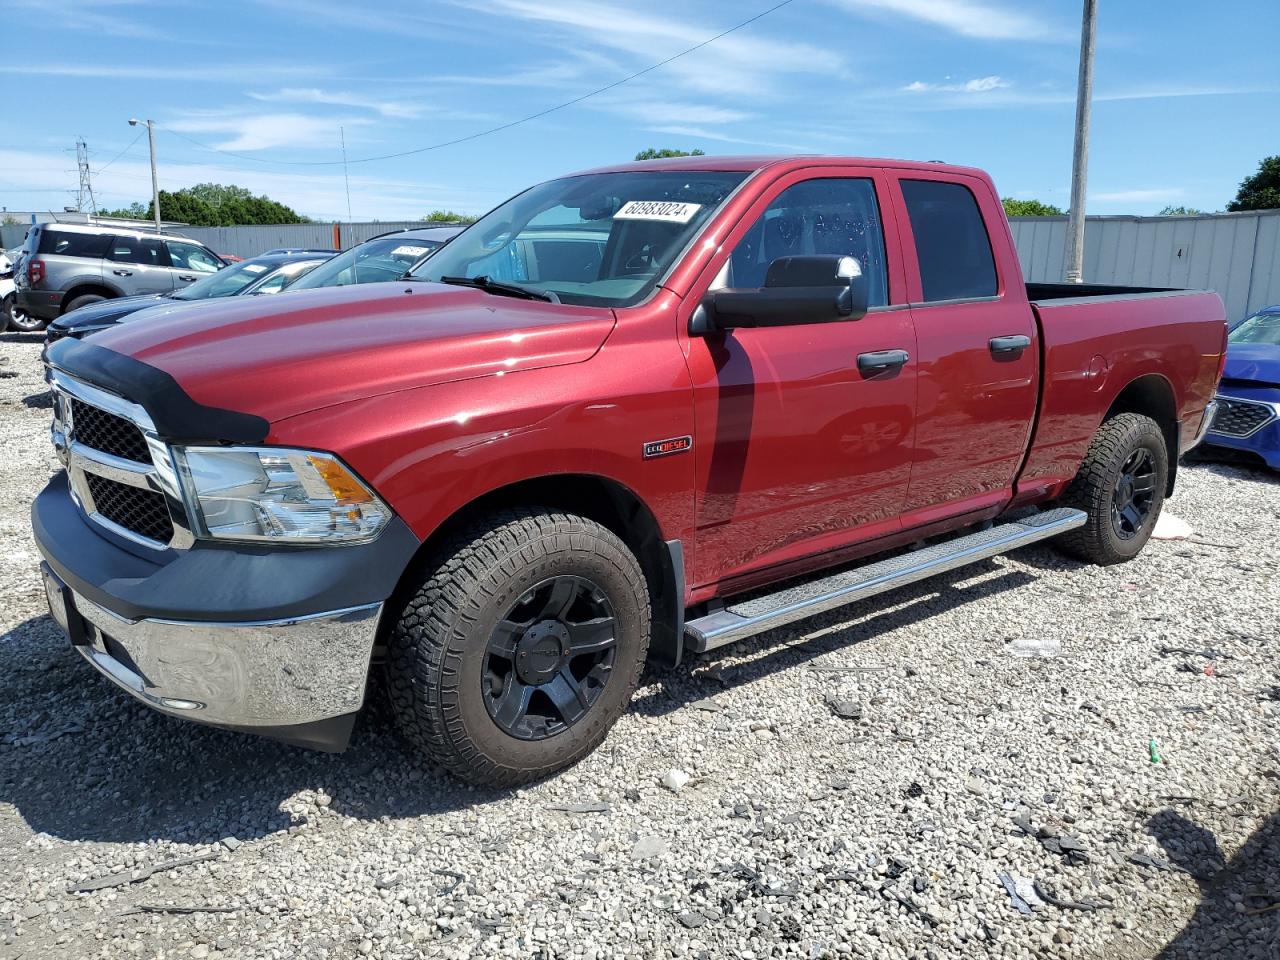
502	289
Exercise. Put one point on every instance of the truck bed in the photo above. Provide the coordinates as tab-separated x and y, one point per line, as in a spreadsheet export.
1097	339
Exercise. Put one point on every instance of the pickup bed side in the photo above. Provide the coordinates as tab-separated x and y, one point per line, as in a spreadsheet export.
1162	360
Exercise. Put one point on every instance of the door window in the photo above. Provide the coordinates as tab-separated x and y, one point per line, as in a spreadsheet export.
188	256
146	252
68	244
952	245
826	216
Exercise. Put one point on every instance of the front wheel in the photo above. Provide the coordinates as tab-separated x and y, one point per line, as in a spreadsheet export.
1121	486
519	649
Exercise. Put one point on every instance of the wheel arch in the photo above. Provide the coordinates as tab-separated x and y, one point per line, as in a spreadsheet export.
614	506
88	286
1152	396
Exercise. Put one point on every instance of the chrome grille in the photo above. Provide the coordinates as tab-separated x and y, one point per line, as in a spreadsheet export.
107	432
1241	418
121	474
143	512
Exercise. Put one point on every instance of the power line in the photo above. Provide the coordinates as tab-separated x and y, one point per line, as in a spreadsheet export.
504	126
121	153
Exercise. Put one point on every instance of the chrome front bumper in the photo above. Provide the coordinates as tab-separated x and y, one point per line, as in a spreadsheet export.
256	675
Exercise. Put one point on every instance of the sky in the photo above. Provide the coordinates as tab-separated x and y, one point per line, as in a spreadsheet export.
260	93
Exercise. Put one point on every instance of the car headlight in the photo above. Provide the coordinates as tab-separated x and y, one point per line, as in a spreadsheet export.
278	494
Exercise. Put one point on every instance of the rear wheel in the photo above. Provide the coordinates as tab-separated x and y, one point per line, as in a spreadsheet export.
1121	486
20	320
520	647
83	300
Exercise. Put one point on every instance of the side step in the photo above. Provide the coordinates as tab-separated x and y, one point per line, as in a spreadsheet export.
739	620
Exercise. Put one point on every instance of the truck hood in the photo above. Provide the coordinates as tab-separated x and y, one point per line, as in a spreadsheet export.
1255	362
276	357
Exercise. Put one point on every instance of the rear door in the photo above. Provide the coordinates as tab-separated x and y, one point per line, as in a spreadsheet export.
190	262
977	346
138	265
798	450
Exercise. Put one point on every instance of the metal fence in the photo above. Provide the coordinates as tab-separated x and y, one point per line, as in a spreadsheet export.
250	241
1236	254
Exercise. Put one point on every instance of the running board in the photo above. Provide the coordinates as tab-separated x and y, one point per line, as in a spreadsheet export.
750	617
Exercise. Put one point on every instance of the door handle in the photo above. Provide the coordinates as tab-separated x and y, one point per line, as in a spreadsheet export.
123	273
186	276
881	360
1009	344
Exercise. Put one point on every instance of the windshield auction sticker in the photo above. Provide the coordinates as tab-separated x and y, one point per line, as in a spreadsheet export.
657	210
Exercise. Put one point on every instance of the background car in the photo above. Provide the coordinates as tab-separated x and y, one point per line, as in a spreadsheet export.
65	266
382	258
1248	417
11	317
269	273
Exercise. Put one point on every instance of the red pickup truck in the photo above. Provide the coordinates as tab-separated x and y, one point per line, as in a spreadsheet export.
637	412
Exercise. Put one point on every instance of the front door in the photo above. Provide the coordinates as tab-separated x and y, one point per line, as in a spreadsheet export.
978	352
798	450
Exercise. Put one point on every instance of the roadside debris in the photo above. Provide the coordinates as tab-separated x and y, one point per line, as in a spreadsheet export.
1031	648
176	909
455	876
709	704
580	807
138	875
1171	527
1045	893
845	709
1021	892
1153	748
675	780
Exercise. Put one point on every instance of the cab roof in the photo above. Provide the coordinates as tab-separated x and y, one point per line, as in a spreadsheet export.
753	163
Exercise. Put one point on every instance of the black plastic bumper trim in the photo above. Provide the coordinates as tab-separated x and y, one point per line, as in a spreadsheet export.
177	417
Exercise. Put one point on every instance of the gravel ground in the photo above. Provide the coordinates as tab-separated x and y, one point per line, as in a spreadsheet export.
1003	720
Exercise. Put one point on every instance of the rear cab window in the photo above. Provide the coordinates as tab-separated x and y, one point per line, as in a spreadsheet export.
952	245
64	243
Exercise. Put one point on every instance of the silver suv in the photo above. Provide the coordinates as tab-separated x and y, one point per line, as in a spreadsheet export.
65	266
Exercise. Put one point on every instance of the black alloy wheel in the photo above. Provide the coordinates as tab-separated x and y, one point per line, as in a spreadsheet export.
1135	494
549	658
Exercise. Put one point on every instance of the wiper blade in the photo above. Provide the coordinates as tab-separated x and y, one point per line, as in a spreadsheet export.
502	289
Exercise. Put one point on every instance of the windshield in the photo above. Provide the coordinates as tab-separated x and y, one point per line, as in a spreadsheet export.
603	238
383	258
227	282
1260	328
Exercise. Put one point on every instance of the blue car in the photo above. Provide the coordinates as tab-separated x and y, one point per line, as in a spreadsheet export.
1248	416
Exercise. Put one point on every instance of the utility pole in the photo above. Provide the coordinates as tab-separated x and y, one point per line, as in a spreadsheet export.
342	133
155	183
86	186
1080	156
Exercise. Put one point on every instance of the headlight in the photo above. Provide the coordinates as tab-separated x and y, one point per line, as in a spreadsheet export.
273	493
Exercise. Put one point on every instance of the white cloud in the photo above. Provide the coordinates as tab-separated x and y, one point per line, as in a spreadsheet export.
740	64
702	133
263	131
317	194
387	108
682	113
968	18
210	73
977	85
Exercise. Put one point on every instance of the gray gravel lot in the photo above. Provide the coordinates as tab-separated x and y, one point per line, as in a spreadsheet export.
856	790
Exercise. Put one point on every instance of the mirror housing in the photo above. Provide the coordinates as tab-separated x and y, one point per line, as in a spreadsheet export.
797	290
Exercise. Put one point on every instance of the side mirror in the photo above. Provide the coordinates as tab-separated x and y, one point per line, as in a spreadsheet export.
797	290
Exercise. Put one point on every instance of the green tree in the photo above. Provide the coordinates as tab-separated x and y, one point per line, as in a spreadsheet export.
135	211
1030	208
448	216
1179	212
1260	191
653	153
213	205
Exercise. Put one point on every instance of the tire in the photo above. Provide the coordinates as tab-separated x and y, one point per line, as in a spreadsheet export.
1112	534
20	320
7	306
501	585
83	300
